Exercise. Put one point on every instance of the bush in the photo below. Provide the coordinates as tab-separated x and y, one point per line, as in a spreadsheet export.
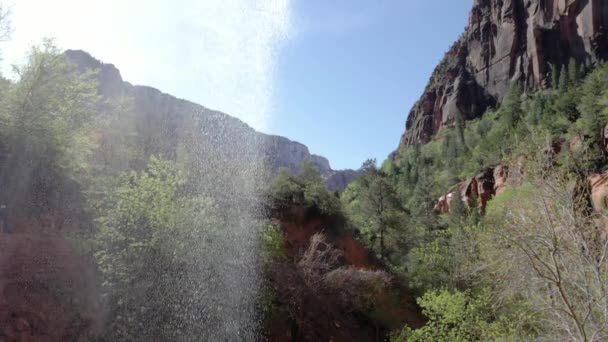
305	189
273	244
543	247
155	250
458	316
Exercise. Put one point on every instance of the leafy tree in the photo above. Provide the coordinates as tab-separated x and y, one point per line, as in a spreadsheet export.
306	189
430	265
286	190
153	251
273	244
459	316
49	117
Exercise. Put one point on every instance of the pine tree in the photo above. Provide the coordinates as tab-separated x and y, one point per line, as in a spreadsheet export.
591	105
573	72
554	76
563	79
511	109
536	112
460	126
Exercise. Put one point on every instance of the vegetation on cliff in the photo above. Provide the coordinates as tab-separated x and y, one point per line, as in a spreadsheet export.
528	263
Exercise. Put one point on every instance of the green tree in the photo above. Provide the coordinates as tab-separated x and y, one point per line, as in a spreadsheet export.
573	72
554	77
49	117
511	110
460	316
379	202
460	128
286	190
153	251
536	111
306	189
563	80
591	106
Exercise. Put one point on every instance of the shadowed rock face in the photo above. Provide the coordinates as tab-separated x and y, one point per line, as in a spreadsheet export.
507	40
163	118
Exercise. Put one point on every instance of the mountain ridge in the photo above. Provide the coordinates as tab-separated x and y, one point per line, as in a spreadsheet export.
170	112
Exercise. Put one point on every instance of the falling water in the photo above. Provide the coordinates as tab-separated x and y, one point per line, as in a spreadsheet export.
241	85
236	42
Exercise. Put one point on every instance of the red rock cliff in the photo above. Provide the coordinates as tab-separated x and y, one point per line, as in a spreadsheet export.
507	40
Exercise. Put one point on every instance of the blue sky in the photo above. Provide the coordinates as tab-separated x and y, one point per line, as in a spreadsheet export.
337	75
349	74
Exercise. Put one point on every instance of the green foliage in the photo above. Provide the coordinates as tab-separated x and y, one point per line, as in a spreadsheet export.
48	118
374	208
573	72
286	190
554	76
591	106
273	244
561	130
151	235
306	189
459	316
460	126
511	110
563	80
431	265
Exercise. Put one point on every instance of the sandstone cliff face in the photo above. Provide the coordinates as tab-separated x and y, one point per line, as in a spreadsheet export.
160	119
507	40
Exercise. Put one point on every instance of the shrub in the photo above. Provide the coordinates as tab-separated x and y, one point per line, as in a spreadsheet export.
458	316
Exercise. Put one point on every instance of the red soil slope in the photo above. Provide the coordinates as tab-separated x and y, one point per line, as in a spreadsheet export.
298	227
47	290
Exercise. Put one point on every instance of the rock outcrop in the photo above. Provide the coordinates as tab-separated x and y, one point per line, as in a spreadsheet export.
598	187
478	190
161	118
507	40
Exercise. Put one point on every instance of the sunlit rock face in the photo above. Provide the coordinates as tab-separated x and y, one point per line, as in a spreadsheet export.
165	116
507	40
